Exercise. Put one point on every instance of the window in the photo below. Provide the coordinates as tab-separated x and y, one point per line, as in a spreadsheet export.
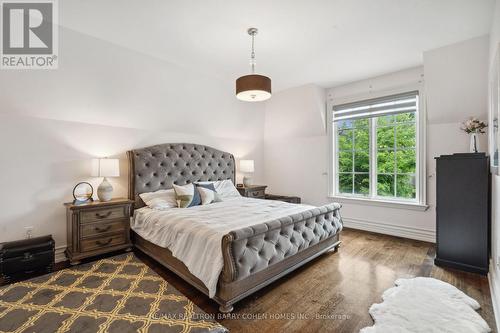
376	150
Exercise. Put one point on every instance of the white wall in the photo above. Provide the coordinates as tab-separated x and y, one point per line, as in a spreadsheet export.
294	145
495	184
48	136
101	83
296	150
456	81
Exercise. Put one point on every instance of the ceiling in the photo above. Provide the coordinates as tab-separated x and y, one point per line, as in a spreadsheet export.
326	42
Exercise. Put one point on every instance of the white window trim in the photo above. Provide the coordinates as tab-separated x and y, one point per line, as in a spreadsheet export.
421	173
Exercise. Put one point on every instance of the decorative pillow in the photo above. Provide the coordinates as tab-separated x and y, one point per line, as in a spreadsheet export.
226	189
207	193
162	199
186	196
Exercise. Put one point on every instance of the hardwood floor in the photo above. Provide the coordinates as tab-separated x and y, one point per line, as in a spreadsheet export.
333	292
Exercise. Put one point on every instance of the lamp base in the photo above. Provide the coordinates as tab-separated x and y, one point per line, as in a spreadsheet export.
247	181
105	190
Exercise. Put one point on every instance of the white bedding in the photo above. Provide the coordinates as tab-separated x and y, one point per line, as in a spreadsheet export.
194	234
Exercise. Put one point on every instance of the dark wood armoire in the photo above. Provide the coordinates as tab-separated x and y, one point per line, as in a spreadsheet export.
463	212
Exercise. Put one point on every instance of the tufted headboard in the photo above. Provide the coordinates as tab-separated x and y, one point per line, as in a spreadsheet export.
158	167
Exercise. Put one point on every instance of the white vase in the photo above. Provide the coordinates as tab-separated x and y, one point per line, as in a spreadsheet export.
105	191
474	143
247	181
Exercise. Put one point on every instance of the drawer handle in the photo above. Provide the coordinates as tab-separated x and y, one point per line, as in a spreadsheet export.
102	229
101	243
254	194
103	216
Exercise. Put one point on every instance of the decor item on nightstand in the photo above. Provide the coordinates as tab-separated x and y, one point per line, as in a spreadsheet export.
247	166
253	191
23	259
104	167
473	127
97	228
82	193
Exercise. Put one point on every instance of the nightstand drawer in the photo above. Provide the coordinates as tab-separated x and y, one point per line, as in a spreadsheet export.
96	229
102	214
256	194
90	244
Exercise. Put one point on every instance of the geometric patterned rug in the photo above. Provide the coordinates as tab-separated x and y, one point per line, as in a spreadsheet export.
118	294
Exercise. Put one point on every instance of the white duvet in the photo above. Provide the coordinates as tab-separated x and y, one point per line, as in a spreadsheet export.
194	234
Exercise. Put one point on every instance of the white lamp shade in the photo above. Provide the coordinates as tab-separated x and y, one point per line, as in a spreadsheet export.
246	166
105	167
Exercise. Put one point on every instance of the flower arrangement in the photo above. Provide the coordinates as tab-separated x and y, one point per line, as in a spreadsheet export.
473	125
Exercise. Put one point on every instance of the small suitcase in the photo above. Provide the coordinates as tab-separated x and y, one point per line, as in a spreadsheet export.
23	259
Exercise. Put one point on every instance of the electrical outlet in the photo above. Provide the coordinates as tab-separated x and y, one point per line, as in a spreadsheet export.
28	231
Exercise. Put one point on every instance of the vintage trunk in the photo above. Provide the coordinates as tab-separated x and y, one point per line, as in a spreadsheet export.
26	258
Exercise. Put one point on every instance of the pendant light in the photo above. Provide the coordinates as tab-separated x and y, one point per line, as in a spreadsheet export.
253	87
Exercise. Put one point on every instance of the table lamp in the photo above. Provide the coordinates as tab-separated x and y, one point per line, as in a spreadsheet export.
105	167
247	167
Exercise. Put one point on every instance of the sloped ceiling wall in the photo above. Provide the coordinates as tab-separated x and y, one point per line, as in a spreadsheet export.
456	88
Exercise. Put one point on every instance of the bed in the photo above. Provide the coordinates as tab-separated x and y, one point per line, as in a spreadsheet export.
252	255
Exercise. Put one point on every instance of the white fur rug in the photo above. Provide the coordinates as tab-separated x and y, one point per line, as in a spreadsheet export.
426	305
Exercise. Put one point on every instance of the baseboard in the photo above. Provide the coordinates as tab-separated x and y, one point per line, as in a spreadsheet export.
461	266
391	229
495	291
60	255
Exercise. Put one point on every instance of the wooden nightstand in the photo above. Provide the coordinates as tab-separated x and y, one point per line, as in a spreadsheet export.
253	191
97	228
285	198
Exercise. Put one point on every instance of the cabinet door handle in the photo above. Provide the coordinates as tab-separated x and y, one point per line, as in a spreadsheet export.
103	216
101	243
102	229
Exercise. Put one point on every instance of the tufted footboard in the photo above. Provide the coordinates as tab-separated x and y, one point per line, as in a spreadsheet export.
258	253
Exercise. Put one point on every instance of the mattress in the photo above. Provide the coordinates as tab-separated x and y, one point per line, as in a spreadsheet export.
194	234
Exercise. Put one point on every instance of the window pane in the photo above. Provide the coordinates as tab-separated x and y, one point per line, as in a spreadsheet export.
361	184
345	183
395	152
406	161
361	122
405	117
361	162
385	120
344	124
385	137
385	162
385	185
345	161
345	139
405	136
405	186
361	139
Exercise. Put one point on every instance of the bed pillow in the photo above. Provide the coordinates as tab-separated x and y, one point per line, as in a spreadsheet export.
208	194
226	189
186	196
162	199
